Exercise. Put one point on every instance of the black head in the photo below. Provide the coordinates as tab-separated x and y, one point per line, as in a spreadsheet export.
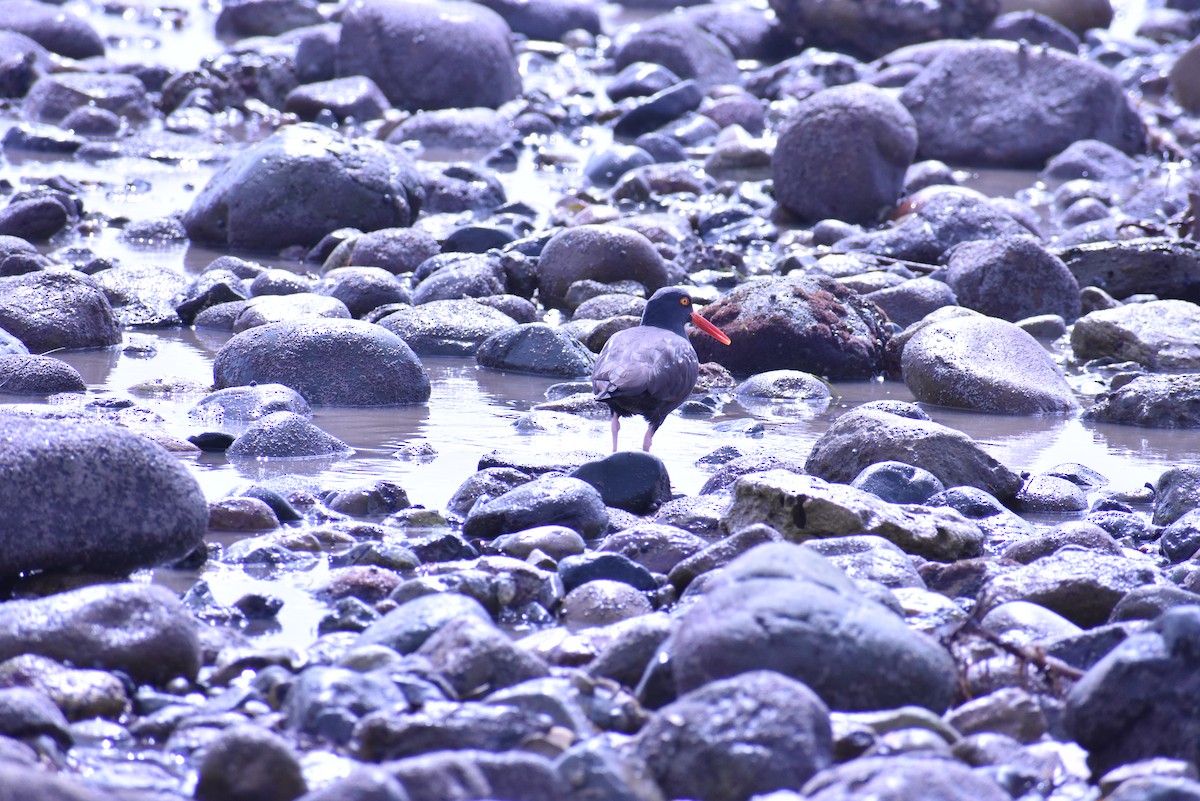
671	308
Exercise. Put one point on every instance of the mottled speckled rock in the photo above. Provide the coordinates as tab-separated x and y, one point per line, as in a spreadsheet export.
1002	105
249	761
806	507
984	364
1159	335
57	310
140	629
1012	277
696	746
329	362
812	324
1166	267
92	497
38	375
1156	401
842	154
548	500
286	435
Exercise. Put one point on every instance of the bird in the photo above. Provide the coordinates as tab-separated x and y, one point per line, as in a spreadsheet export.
649	370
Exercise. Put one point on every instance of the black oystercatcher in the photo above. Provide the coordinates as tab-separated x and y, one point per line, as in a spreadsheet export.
651	369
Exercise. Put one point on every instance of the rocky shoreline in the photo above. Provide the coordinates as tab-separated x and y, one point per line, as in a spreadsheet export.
892	611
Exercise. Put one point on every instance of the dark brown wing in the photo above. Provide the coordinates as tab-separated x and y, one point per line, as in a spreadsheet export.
647	371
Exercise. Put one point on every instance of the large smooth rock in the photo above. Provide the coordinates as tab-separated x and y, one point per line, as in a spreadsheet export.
547	500
635	481
1003	105
427	55
1136	702
1159	335
677	43
447	327
871	28
236	406
984	364
68	35
812	324
696	746
25	374
805	507
1154	401
604	253
842	154
330	182
57	311
536	348
329	362
140	629
295	307
783	607
90	496
863	437
1012	278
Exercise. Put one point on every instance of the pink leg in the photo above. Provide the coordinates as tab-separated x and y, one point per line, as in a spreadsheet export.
616	426
646	440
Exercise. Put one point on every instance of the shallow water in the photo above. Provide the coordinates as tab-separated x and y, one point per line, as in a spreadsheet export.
472	411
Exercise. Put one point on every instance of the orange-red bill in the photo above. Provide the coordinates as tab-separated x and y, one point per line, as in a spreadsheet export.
709	328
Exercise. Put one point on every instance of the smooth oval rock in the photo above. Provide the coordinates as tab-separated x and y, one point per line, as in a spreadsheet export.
38	375
535	348
332	183
984	364
455	55
93	496
603	253
285	435
326	362
1012	278
548	500
57	310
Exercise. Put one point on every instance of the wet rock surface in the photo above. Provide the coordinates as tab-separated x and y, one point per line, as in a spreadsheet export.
305	493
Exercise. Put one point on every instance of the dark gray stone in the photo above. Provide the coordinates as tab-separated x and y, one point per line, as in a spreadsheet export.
236	406
351	182
249	761
460	55
38	375
631	480
57	311
354	97
696	746
603	253
285	435
806	323
408	626
901	777
843	153
548	500
140	629
1012	278
897	482
681	46
447	327
782	607
535	348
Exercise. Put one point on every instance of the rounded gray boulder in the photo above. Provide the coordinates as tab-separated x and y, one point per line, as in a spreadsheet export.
697	747
38	375
1012	277
843	154
329	362
984	364
57	310
430	55
93	497
329	182
604	253
782	607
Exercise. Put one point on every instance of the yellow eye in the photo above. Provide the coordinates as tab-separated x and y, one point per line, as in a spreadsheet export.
685	301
